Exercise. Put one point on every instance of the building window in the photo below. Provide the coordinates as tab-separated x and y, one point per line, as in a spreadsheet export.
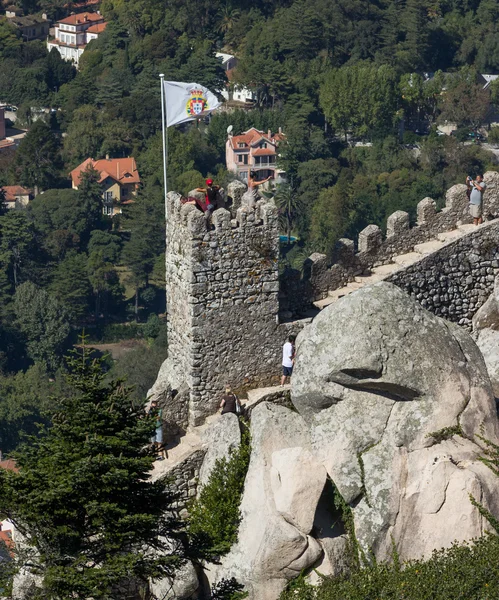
241	145
108	196
244	175
107	209
263	145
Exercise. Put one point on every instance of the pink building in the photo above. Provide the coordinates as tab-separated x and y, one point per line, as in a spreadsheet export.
254	150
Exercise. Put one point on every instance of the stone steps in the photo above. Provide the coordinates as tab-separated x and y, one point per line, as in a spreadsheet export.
407	259
428	247
403	260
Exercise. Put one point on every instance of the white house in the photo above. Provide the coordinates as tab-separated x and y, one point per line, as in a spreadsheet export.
73	33
233	91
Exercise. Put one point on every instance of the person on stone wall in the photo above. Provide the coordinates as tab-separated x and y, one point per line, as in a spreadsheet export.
230	402
251	196
157	438
212	197
475	195
288	358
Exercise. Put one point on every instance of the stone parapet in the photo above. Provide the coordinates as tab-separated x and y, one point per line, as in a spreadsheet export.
374	250
456	280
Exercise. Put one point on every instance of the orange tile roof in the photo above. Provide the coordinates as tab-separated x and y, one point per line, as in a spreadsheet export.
252	136
6	538
81	18
98	28
264	152
123	170
11	191
9	465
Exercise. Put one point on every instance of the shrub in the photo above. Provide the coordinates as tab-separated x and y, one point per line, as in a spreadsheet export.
493	137
215	516
152	327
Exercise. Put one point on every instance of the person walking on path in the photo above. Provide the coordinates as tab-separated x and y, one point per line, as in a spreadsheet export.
157	438
288	358
230	402
475	190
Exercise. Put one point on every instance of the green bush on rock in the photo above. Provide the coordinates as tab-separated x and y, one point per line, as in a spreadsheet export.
466	572
215	516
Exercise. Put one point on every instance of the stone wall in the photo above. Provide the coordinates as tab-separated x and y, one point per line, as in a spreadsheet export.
222	301
373	249
184	480
456	280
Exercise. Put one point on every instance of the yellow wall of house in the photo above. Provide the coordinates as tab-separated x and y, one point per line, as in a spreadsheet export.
113	187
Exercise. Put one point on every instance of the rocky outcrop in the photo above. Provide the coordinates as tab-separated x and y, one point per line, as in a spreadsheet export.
486	330
220	438
183	587
282	490
376	375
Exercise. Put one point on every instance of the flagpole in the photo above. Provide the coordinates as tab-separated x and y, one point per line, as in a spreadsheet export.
165	138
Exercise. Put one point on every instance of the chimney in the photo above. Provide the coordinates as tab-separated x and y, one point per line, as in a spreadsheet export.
280	129
269	133
85	18
107	156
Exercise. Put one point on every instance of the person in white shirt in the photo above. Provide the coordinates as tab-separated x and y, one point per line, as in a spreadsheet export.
288	358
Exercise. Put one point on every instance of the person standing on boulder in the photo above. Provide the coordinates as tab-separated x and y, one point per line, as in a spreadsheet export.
476	189
157	438
288	358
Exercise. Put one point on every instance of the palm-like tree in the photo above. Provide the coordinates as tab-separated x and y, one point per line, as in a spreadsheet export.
288	202
227	15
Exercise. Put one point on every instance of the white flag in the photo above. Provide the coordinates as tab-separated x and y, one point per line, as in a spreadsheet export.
187	101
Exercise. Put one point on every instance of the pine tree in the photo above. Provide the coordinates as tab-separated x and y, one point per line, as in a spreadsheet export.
83	498
37	158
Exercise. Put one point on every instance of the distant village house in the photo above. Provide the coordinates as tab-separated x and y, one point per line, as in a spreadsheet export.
119	179
31	27
16	197
234	93
254	150
72	34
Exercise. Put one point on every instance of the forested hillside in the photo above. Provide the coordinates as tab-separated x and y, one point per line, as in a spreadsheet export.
328	72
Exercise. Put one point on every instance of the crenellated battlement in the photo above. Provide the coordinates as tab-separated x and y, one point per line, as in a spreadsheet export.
373	249
222	301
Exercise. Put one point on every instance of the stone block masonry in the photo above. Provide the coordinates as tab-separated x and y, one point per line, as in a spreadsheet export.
222	302
456	280
373	249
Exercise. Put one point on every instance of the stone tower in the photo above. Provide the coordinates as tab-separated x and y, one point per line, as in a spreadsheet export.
222	305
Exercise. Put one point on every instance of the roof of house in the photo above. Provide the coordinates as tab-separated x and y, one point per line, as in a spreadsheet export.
253	136
264	151
13	191
6	538
9	464
123	170
27	21
80	18
97	28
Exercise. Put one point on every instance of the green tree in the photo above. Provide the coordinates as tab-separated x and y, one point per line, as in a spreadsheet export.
37	158
288	202
70	285
145	218
15	241
360	99
90	197
103	279
83	498
44	322
10	43
465	102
